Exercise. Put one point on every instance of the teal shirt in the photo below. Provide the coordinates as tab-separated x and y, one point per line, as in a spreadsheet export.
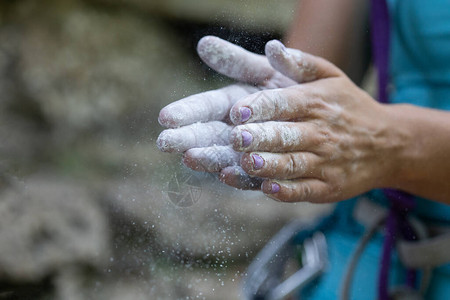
420	66
420	75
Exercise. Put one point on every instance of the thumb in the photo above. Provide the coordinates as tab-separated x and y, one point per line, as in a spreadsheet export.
297	65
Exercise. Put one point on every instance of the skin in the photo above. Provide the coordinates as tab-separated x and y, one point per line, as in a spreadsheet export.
343	18
329	139
211	109
346	143
208	112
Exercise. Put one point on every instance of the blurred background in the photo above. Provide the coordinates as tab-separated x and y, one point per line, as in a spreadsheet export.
87	205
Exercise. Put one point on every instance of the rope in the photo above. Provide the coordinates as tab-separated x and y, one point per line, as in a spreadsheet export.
401	203
362	244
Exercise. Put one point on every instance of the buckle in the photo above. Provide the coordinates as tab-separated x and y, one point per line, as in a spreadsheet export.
265	275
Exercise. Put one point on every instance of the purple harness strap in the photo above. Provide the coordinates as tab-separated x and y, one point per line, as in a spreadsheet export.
400	203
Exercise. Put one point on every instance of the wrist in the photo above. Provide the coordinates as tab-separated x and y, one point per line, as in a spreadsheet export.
401	146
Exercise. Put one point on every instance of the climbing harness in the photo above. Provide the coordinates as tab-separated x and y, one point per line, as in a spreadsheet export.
264	278
396	222
420	247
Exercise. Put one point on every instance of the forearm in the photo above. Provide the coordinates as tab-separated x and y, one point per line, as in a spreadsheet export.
335	30
423	165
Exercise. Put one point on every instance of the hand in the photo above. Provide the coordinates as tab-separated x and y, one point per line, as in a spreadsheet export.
206	144
322	141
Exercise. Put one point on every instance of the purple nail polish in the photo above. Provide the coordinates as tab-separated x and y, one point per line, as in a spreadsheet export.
275	188
245	113
246	138
258	161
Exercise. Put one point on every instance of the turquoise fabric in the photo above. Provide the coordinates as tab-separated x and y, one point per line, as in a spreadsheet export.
420	75
420	65
420	57
343	233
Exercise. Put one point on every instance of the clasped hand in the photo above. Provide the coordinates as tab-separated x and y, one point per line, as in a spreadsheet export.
296	126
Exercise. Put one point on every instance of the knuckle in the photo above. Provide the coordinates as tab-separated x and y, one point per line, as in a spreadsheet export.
268	104
335	187
264	98
301	193
291	165
323	138
316	106
305	192
288	136
285	196
324	174
296	165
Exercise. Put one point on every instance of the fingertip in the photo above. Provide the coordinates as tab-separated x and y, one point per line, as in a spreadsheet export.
211	50
240	114
163	142
171	116
270	187
277	53
252	163
285	60
298	65
196	164
234	61
236	177
245	113
235	139
227	175
231	176
170	140
275	48
235	115
189	161
247	138
240	139
164	117
247	162
205	41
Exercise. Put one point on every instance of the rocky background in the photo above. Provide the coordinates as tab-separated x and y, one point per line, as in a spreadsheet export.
86	200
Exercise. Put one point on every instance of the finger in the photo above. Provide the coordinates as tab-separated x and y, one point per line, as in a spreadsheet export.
194	136
236	177
238	63
292	103
301	190
211	159
297	65
282	165
204	107
277	137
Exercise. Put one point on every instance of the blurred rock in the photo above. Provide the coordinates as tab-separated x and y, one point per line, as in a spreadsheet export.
250	14
82	83
23	145
87	69
224	225
23	130
75	78
46	225
75	285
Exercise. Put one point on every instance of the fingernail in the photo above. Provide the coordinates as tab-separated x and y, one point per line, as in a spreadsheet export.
275	188
258	161
246	138
245	113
